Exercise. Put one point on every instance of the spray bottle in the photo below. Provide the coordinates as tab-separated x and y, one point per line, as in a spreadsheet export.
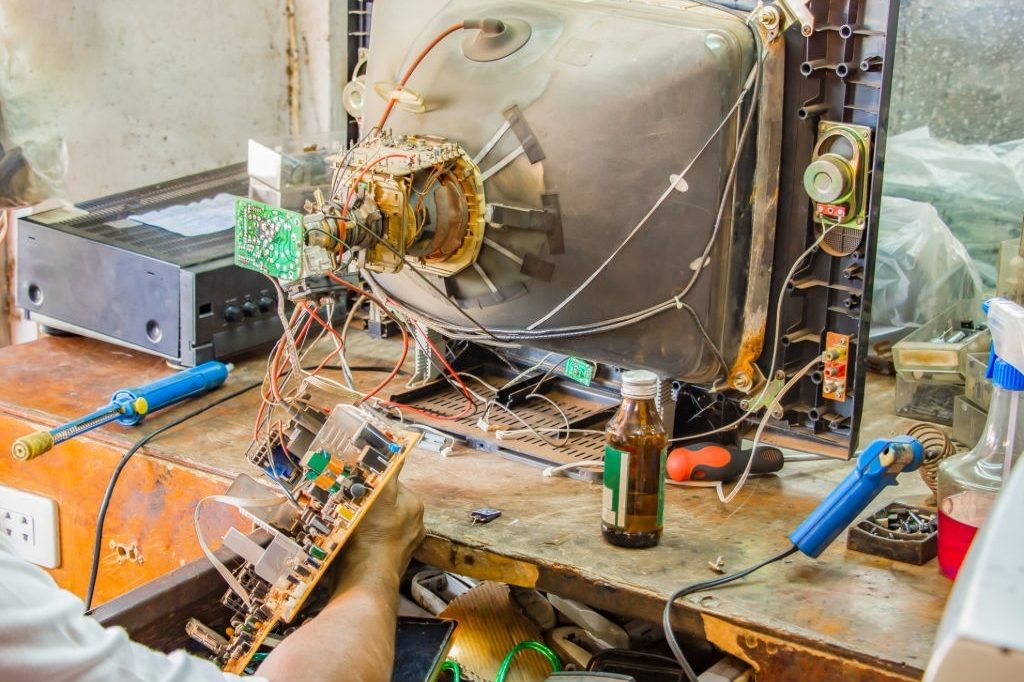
968	484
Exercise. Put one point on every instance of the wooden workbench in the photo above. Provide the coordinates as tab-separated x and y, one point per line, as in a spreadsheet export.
844	616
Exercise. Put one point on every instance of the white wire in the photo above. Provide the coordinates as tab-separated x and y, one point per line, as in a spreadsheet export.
240	503
289	337
657	204
551	471
726	499
467	375
506	434
775	344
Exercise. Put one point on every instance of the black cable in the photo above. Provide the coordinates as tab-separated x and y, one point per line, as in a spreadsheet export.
383	242
98	541
329	235
666	620
707	337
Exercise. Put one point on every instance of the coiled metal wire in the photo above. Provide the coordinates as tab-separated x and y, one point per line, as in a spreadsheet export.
937	447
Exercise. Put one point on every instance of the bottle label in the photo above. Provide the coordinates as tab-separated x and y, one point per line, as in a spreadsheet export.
616	486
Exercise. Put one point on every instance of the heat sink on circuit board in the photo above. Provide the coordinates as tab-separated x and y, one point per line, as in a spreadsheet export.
268	239
329	490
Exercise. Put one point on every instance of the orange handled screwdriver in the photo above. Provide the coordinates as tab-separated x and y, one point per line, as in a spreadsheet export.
717	462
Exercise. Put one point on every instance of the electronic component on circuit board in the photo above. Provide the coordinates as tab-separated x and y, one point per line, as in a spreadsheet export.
350	460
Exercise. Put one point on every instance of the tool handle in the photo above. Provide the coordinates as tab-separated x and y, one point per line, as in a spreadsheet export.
715	462
138	402
844	504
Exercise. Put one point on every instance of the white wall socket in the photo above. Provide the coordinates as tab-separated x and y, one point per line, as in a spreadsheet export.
28	522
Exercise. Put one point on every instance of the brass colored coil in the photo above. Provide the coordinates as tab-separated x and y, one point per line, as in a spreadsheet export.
937	447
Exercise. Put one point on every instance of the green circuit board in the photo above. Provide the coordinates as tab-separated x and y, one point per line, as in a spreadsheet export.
268	239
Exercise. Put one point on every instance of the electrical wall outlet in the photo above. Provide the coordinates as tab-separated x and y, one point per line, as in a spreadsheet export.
28	522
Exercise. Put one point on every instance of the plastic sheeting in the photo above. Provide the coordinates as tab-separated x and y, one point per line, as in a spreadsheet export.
978	190
920	268
33	160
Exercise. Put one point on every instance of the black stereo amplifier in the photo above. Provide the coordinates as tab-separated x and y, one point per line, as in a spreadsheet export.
98	270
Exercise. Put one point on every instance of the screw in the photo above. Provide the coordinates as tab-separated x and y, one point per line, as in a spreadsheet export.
769	17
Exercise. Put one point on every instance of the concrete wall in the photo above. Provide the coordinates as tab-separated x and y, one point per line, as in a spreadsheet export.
147	90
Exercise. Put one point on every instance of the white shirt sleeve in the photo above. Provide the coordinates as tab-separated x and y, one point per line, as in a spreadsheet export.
44	636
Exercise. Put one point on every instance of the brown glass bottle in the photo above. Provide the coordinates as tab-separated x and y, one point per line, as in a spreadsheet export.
634	466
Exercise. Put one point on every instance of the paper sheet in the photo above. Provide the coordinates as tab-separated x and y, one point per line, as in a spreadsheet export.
192	220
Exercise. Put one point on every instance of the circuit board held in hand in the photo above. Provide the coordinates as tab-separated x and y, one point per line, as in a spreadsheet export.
329	488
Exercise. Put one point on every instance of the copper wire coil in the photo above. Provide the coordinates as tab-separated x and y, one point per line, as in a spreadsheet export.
937	447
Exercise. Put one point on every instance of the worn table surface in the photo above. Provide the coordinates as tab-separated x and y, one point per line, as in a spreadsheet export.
857	614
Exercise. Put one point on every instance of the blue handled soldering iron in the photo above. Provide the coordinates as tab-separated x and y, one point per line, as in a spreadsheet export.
877	467
127	406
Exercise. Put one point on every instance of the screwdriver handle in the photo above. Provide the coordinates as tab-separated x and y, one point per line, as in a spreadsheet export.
136	403
717	462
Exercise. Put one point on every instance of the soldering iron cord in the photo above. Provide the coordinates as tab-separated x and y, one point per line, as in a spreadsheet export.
109	492
666	616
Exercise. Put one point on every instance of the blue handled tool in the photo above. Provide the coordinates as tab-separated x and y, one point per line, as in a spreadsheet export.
876	468
127	406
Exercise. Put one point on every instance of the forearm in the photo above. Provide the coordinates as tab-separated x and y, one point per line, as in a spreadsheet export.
353	638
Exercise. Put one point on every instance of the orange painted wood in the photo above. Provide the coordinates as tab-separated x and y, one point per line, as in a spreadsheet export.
46	382
151	510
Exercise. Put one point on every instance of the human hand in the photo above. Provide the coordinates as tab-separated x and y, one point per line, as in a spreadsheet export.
387	535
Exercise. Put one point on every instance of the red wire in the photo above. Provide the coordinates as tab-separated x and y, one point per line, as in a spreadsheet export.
465	391
470	405
362	174
412	67
405	335
313	316
329	327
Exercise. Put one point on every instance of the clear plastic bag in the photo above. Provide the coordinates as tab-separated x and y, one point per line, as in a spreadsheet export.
920	268
33	160
978	190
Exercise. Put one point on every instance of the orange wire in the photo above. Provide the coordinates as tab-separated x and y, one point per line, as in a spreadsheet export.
362	174
328	327
273	372
412	67
405	334
470	405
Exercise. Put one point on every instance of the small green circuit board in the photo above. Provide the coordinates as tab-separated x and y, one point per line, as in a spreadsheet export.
580	371
268	239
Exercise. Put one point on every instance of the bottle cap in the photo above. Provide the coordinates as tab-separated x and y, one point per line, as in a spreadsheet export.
1006	321
639	383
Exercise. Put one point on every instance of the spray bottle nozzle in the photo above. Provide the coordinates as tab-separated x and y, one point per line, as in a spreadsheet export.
1006	359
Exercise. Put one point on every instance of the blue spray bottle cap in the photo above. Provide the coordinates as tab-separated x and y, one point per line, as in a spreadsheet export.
1006	358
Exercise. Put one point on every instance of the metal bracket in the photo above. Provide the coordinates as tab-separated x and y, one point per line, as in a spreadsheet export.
764	398
797	11
425	369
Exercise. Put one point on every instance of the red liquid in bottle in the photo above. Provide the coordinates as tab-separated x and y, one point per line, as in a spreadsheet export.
959	518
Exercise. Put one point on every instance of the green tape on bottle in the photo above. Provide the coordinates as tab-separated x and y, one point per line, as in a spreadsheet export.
661	487
616	486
